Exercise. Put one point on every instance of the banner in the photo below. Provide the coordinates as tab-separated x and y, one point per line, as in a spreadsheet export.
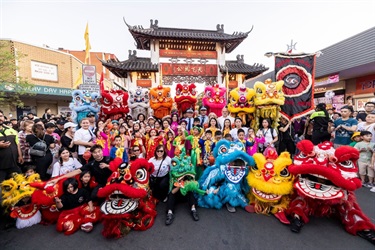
298	73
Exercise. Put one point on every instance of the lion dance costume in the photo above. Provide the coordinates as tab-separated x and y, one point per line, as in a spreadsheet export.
185	97
128	203
325	186
139	102
214	99
271	184
114	104
16	193
161	101
83	103
241	103
269	96
225	182
182	174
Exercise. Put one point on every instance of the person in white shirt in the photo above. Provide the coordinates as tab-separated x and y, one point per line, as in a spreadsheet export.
66	163
84	138
238	124
225	115
160	177
269	134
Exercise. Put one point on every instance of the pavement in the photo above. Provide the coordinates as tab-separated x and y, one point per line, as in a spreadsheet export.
217	229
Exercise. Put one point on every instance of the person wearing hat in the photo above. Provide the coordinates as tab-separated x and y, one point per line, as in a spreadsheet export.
344	127
60	127
67	138
203	116
189	119
320	119
92	120
356	137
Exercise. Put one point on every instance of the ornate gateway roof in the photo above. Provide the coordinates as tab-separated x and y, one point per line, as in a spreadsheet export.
239	67
134	63
179	38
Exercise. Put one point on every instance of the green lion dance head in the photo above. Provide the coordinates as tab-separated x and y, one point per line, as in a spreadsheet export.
182	174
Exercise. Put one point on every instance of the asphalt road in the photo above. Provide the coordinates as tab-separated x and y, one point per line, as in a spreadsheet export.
217	229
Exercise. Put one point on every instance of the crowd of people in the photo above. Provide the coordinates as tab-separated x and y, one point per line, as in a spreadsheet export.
87	148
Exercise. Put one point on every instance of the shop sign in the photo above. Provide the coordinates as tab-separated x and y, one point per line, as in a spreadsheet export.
365	85
44	71
327	80
323	89
188	54
40	90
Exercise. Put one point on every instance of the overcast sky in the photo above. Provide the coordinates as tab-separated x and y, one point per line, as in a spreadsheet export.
314	25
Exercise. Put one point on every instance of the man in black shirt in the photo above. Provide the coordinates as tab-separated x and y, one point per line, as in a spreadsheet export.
60	127
99	169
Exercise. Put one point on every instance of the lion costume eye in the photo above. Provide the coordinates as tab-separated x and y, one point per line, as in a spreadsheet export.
284	172
254	168
223	150
347	164
141	174
259	91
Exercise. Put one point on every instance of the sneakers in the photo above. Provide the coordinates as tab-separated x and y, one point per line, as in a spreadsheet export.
372	189
368	185
296	225
230	208
194	214
170	218
87	227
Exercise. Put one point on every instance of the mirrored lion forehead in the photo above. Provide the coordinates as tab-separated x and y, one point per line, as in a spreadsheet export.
181	165
138	96
186	89
241	99
214	94
160	94
269	93
226	152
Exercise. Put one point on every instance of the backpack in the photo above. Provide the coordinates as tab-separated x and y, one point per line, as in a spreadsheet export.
40	148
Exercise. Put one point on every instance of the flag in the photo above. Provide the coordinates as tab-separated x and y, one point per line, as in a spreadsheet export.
87	43
298	73
79	79
101	83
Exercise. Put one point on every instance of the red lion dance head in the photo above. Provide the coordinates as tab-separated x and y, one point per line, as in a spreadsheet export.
324	187
185	97
161	101
214	98
128	205
114	104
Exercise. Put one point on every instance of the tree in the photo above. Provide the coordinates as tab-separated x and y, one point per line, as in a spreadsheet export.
12	86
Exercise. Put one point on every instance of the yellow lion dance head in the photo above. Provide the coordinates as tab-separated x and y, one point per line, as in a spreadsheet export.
241	102
271	182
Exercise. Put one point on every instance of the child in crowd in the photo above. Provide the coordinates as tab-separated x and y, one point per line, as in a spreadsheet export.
103	137
228	137
118	150
125	141
196	157
71	202
207	145
86	181
29	170
241	138
218	136
114	131
151	144
179	141
356	137
255	140
169	144
227	127
366	158
65	164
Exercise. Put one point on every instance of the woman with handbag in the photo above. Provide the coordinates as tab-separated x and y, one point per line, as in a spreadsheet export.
159	180
269	134
42	162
